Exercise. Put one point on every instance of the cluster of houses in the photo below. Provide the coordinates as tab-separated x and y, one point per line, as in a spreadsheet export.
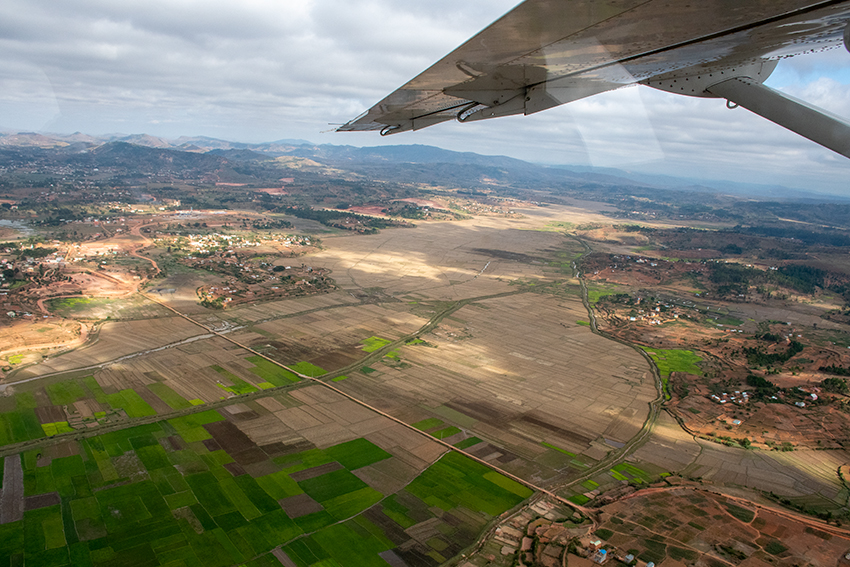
594	551
811	397
537	538
739	398
654	316
225	243
29	264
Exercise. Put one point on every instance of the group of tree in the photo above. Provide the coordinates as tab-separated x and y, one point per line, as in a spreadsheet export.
335	219
40	252
810	237
734	279
834	385
837	370
757	356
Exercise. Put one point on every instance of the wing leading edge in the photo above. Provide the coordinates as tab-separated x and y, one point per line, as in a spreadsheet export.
545	53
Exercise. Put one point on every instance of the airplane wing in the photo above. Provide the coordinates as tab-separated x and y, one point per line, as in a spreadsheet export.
545	53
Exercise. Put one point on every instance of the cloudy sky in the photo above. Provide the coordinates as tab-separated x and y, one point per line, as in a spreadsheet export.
262	70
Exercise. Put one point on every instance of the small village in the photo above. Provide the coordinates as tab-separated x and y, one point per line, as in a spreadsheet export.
539	536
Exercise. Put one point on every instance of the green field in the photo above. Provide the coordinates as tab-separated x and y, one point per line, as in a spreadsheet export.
454	482
67	392
447	432
374	343
626	470
169	396
156	494
426	424
564	451
356	454
68	304
238	385
308	369
19	421
130	402
467	443
56	427
271	372
596	291
106	519
674	360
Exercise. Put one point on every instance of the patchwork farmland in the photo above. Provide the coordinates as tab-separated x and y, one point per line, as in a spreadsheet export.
198	490
186	435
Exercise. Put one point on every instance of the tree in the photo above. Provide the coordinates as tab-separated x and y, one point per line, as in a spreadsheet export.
834	385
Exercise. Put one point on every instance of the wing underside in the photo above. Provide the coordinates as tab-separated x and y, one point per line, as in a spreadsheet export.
545	53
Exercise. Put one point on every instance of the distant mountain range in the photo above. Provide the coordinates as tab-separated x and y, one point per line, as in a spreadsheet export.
416	163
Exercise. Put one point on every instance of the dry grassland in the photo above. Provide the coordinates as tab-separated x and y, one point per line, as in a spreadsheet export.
32	335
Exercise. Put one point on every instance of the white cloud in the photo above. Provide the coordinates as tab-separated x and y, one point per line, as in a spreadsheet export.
260	70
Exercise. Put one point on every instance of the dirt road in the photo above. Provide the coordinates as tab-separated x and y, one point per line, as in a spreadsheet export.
137	231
